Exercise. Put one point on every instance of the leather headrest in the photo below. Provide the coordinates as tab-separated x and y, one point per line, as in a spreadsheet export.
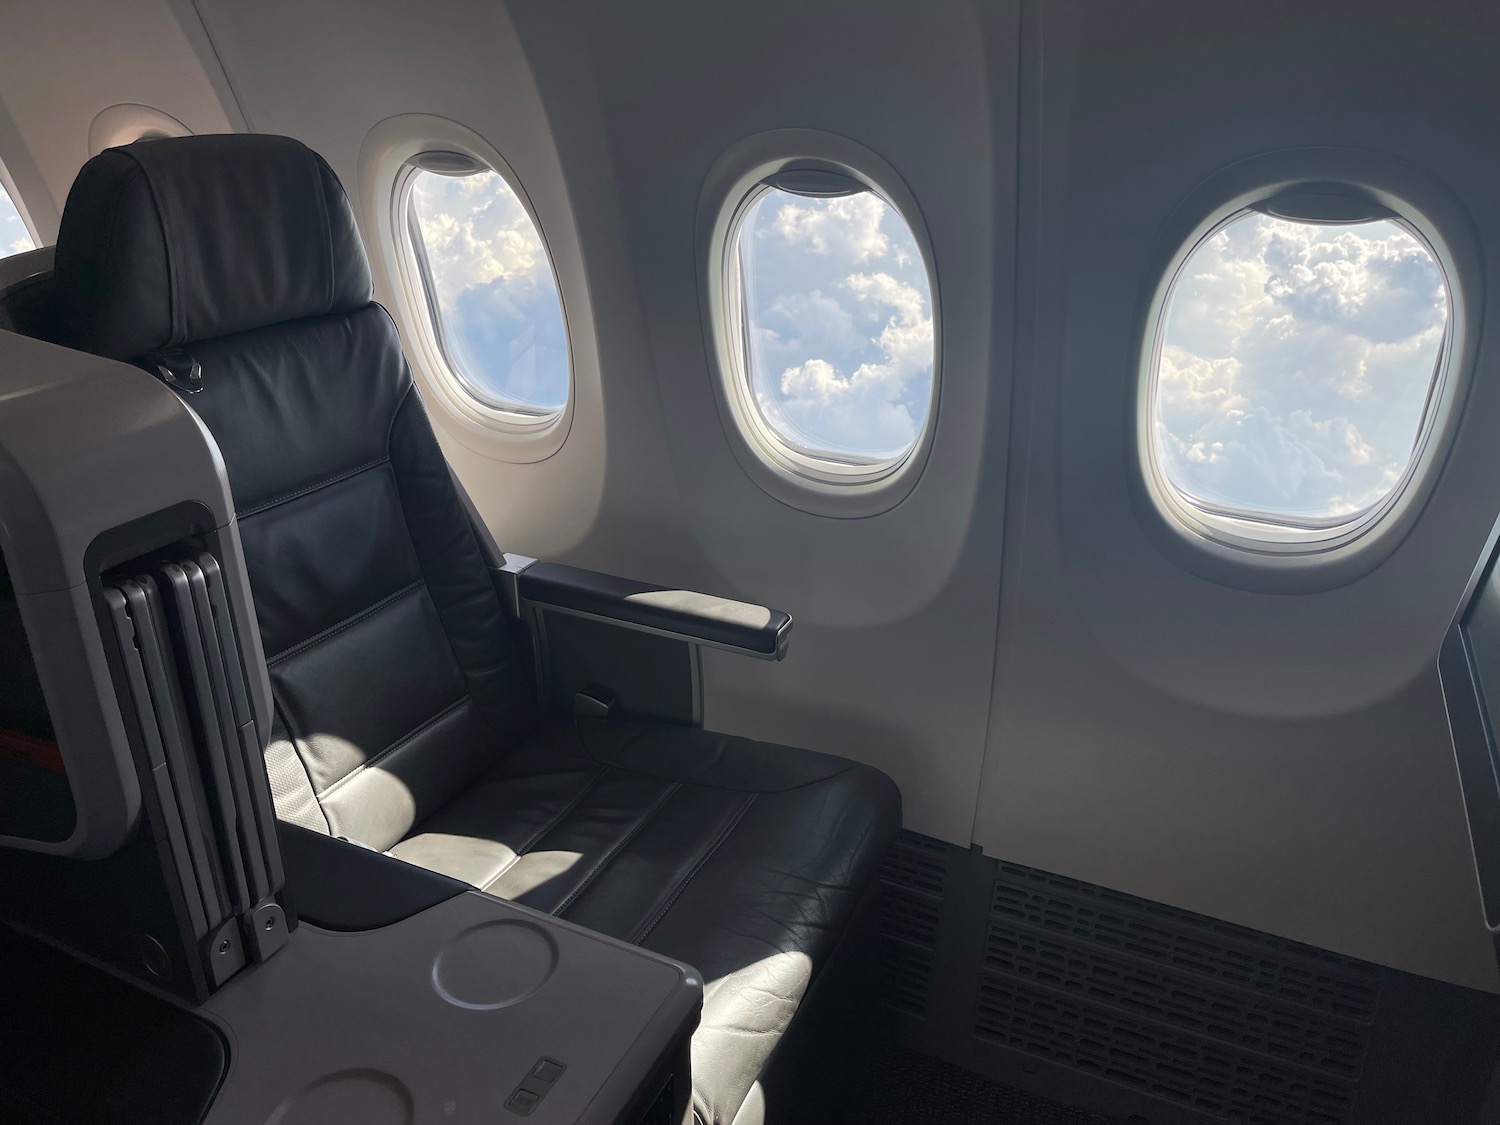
169	241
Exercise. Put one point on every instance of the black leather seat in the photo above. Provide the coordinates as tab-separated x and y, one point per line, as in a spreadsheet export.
404	715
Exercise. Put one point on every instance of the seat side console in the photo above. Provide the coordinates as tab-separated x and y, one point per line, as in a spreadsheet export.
471	1010
140	863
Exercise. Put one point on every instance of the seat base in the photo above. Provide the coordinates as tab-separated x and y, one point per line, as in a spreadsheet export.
745	859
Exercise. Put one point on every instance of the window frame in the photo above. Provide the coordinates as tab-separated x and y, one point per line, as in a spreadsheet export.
430	330
1248	528
1254	554
800	478
804	460
7	185
385	151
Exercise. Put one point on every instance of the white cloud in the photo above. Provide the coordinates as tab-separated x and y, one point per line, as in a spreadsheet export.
862	411
476	231
847	227
1295	364
854	412
13	234
841	325
502	316
814	324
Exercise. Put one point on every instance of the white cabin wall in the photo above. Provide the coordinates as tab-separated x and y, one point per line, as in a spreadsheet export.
1278	760
64	61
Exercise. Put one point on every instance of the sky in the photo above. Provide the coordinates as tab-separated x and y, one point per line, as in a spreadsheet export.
13	236
1296	360
496	293
839	323
1295	364
841	340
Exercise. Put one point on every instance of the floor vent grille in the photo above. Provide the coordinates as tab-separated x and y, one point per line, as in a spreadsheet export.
1235	1017
1237	1085
917	863
912	881
1228	1021
1192	943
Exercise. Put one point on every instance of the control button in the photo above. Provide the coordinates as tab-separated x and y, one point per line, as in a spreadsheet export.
535	1086
523	1101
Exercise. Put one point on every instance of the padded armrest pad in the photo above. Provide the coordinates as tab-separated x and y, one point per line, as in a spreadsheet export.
700	618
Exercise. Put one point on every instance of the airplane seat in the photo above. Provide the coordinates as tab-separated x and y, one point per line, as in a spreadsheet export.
405	714
26	292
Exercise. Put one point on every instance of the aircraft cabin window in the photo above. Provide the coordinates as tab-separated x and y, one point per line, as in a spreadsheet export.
829	313
489	285
14	237
1296	372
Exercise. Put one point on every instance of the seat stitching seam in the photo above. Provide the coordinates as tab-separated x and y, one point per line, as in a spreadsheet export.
750	792
390	437
317	178
112	229
176	321
410	395
724	834
404	740
620	845
390	427
552	822
290	496
815	781
588	751
347	623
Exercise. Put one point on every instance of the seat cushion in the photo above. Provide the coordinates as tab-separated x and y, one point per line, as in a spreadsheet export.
744	859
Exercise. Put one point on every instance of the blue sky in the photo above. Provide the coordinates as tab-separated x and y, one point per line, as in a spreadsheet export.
1295	364
840	323
841	313
13	236
495	288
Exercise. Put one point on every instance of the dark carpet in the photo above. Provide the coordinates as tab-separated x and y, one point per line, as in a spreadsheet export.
908	1088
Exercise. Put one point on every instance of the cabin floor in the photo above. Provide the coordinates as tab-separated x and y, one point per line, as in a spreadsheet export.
905	1086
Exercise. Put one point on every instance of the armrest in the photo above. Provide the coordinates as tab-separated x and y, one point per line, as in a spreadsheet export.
753	630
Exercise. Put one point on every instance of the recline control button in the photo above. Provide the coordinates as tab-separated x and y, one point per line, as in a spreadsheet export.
523	1101
535	1086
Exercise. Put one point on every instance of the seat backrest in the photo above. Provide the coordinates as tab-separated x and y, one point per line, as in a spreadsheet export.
396	678
26	291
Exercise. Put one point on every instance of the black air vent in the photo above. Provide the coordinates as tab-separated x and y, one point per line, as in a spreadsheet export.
1188	942
1237	1085
912	879
917	863
906	978
909	917
1231	1022
1236	1018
